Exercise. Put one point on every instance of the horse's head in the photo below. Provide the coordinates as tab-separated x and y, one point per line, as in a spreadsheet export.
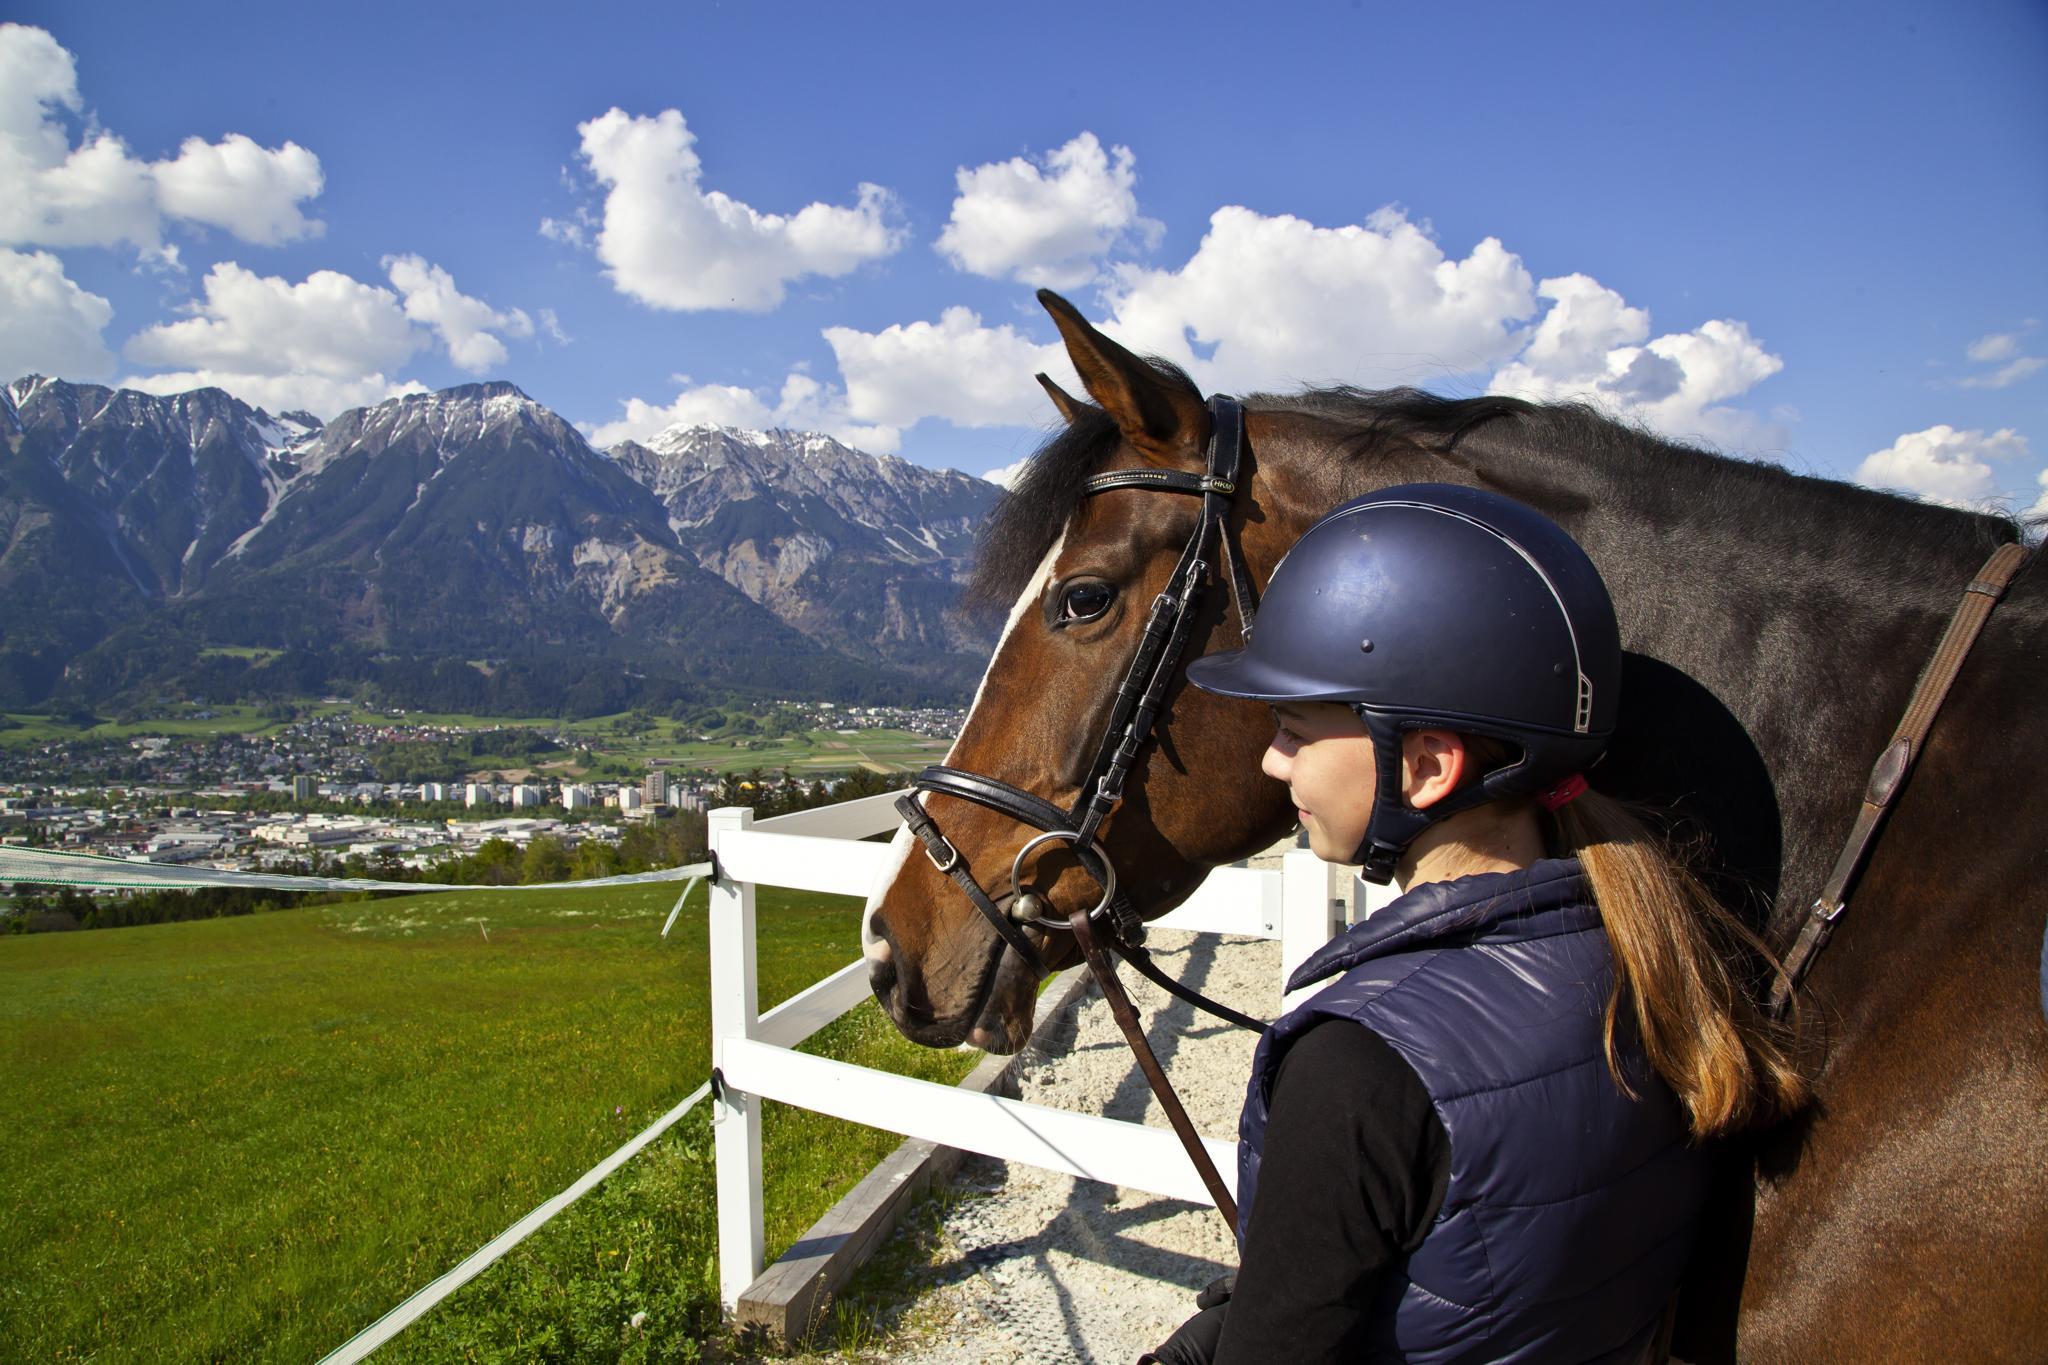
1082	573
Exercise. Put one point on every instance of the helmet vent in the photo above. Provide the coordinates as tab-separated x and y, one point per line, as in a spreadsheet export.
1583	721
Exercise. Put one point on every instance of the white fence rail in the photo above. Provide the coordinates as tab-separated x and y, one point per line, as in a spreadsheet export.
821	850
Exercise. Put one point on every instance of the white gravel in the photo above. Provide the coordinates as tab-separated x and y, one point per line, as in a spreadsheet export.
1046	1268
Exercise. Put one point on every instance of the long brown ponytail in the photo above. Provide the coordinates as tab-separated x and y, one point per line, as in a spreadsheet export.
1678	975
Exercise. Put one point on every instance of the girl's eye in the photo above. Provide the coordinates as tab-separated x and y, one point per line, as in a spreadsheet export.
1085	601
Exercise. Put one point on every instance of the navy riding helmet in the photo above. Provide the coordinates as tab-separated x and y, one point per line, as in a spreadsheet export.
1431	606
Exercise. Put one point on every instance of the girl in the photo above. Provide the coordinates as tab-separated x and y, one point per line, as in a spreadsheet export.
1482	1139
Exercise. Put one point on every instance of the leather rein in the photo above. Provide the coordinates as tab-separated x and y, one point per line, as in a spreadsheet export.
1114	924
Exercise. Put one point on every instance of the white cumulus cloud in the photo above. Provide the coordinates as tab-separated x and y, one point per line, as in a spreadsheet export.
802	404
1942	464
324	344
1277	302
956	368
1592	346
1006	476
1046	222
98	193
465	325
321	395
2039	511
52	326
327	343
669	242
245	189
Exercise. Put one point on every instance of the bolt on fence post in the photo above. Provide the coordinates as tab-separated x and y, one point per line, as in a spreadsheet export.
735	1007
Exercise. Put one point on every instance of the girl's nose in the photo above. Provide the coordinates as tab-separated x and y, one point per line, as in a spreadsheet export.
1277	761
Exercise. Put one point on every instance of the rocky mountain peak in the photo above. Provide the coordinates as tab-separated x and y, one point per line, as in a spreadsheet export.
469	523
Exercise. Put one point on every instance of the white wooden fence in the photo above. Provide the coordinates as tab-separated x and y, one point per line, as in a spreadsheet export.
822	850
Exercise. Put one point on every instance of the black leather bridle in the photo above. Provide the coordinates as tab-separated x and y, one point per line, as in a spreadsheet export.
1131	720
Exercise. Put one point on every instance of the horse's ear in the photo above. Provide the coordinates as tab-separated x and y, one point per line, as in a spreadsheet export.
1155	413
1069	406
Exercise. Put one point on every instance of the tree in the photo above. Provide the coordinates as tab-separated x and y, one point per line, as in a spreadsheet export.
593	859
496	863
547	860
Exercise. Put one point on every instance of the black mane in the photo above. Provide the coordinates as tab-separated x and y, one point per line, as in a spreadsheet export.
1719	493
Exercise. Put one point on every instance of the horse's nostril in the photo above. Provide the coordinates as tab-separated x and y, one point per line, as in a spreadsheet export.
882	980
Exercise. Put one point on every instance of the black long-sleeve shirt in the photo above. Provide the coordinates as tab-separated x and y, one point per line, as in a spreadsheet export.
1354	1170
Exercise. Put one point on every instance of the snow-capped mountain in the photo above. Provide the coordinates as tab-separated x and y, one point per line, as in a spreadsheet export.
144	536
862	552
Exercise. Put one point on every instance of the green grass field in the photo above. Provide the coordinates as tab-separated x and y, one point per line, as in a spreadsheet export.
222	720
806	755
245	1139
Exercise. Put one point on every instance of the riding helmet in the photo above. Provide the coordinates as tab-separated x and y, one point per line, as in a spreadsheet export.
1434	606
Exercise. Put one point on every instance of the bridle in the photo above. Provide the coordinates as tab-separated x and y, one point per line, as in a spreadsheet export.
1114	922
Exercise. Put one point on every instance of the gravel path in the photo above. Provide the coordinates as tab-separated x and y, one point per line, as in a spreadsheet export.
1041	1267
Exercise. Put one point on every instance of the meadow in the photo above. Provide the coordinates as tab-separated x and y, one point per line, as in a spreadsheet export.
245	1139
621	745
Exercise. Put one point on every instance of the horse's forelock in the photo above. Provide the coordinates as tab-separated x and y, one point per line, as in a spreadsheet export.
1030	517
1033	514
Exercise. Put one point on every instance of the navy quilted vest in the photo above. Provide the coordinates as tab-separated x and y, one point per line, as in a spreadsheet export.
1569	1210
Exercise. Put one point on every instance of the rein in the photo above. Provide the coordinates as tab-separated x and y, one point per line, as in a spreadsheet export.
1114	923
1893	766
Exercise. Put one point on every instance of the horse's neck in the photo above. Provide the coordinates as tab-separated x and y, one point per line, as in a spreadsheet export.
1789	608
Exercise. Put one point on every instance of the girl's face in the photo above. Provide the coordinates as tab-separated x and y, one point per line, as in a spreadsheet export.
1322	753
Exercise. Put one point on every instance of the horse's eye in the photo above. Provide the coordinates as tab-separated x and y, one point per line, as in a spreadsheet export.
1085	601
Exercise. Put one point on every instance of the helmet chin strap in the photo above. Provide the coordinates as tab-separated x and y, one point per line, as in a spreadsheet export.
1394	824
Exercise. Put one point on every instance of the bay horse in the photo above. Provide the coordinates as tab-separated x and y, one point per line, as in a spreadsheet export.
1775	624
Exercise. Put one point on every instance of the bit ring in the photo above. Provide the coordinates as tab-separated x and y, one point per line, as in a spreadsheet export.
1072	837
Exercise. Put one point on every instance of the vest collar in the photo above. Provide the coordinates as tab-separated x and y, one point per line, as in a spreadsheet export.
1548	896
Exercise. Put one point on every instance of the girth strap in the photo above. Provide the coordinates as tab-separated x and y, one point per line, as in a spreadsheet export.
1895	764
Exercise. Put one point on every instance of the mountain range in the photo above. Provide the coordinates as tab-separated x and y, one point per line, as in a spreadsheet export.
467	549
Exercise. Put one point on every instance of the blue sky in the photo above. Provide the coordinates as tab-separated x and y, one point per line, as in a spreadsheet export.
1811	232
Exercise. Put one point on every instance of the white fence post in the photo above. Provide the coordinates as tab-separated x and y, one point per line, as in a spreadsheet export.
1308	914
735	1013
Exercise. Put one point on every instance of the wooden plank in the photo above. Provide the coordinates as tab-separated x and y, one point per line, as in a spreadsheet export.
786	1302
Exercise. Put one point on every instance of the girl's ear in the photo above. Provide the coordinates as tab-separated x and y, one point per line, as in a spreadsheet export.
1433	765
